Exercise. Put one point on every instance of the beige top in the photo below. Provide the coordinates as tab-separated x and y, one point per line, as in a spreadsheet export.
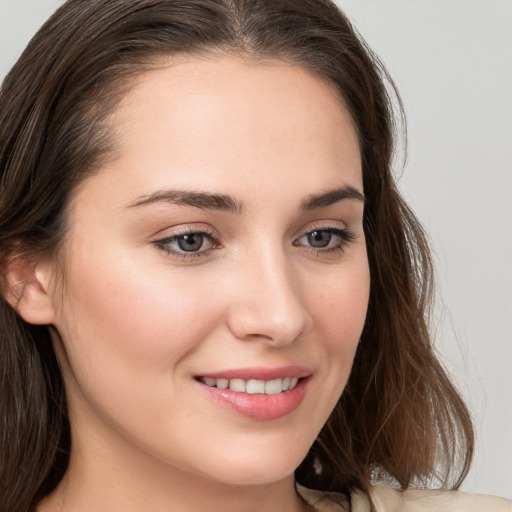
386	499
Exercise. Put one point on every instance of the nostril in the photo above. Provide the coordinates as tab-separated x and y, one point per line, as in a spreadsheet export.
265	321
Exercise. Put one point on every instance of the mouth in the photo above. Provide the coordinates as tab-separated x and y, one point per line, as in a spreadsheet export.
261	394
252	386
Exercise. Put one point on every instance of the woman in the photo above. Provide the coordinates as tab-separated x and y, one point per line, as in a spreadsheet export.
215	298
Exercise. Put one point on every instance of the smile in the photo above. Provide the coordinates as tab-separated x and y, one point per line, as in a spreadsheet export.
253	386
257	393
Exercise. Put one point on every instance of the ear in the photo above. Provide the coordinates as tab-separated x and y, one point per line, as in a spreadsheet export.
28	290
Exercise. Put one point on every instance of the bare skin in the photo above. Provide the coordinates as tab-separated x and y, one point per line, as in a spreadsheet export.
160	292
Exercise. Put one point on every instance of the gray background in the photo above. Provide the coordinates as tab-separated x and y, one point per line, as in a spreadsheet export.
452	62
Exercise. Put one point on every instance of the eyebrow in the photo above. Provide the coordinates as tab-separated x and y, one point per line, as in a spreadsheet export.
330	197
209	201
203	200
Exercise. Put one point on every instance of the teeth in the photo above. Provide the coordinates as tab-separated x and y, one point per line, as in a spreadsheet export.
253	386
272	387
222	383
237	385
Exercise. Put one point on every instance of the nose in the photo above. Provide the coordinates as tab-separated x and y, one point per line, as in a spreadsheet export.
267	303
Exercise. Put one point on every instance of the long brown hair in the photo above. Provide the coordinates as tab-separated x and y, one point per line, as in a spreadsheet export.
399	417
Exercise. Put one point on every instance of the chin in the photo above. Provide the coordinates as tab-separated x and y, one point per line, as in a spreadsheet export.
255	467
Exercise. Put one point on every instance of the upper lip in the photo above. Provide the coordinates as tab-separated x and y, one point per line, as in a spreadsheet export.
260	373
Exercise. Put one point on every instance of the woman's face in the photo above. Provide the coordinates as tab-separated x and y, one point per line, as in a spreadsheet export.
222	247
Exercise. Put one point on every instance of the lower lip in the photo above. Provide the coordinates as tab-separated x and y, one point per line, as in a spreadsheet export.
259	406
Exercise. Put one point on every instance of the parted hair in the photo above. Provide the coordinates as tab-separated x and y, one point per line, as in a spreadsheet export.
399	418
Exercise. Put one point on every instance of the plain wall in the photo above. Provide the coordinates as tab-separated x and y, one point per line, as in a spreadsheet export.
452	62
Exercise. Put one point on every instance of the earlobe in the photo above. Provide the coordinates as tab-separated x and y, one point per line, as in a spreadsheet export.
28	291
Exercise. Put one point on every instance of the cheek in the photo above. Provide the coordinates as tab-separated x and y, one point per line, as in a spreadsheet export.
340	309
339	313
120	323
127	335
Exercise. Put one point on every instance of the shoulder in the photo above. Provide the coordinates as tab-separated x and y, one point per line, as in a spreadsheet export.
386	499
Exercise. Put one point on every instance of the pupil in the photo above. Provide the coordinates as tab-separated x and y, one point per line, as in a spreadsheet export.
319	238
190	243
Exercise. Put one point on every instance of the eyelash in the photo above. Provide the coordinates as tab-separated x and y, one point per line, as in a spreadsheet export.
164	244
345	237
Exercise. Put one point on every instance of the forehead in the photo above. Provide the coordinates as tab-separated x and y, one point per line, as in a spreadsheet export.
225	123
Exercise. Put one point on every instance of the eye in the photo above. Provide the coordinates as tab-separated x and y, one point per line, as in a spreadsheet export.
189	244
319	238
326	239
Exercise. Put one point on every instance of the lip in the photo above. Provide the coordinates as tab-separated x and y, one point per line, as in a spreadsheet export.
259	406
260	373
